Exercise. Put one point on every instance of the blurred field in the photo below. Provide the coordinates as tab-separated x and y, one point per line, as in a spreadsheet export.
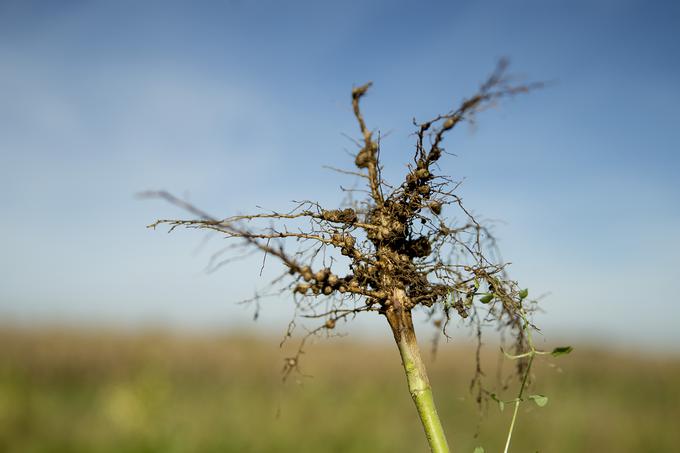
65	391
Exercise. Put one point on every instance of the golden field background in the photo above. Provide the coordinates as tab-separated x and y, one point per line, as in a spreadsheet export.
75	391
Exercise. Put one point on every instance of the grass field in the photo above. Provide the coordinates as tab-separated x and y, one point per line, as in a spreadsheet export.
67	391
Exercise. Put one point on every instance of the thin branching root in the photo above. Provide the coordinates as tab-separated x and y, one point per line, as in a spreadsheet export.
404	246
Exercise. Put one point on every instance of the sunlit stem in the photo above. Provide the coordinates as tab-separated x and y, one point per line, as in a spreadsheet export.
518	401
418	382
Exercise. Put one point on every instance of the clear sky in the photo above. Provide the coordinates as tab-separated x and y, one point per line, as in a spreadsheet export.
240	103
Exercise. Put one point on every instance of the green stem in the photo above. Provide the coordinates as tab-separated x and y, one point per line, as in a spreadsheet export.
421	392
519	400
416	375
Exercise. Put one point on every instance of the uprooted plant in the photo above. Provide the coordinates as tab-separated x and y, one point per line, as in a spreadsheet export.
393	251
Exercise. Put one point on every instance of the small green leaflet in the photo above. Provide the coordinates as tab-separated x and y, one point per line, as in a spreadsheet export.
523	294
540	400
501	403
486	299
562	350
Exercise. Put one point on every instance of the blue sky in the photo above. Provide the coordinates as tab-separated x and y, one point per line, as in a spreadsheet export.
240	103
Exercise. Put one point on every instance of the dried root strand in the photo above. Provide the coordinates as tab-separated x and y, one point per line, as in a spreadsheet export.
397	239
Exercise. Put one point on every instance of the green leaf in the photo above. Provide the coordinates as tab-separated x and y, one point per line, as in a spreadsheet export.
523	294
501	403
479	450
540	400
561	350
486	299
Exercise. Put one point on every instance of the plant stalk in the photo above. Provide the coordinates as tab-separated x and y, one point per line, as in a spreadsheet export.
416	375
519	400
